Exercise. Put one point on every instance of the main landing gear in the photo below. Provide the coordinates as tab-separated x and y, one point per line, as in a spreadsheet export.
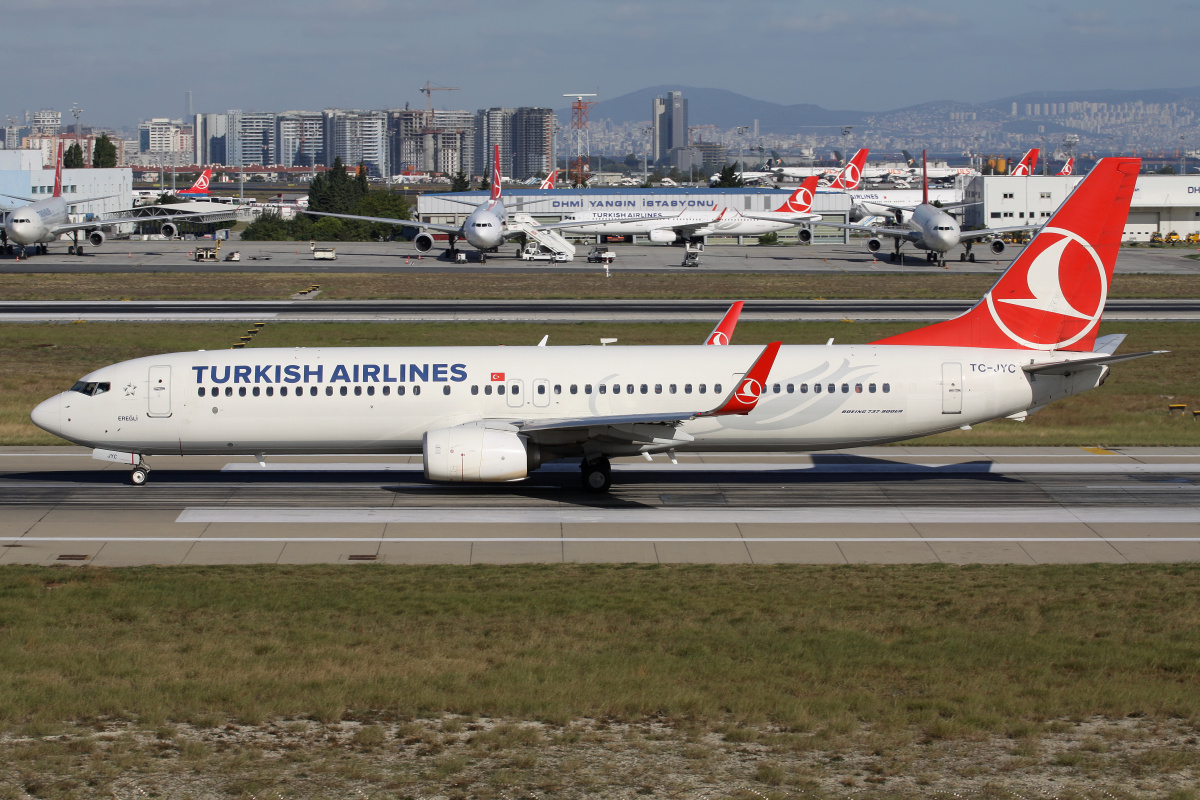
595	474
967	255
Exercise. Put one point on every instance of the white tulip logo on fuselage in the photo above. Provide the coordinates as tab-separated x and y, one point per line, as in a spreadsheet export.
719	338
1045	284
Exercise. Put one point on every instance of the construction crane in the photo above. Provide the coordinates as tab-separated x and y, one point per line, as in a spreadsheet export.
428	89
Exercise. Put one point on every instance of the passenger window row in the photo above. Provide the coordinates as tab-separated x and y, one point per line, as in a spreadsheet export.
298	391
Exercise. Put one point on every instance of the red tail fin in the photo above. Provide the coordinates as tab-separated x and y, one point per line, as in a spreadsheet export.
1028	163
58	172
201	184
851	176
1068	168
724	330
496	179
1052	296
802	199
924	179
548	183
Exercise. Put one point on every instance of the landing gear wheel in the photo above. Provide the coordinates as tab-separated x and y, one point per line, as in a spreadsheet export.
70	249
596	476
971	257
894	256
138	476
962	257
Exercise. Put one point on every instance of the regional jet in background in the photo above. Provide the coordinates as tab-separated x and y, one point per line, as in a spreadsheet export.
494	414
485	228
928	227
44	221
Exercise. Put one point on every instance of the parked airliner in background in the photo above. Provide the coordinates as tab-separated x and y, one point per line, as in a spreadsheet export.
44	221
199	188
1027	164
926	227
692	224
1068	167
485	228
493	413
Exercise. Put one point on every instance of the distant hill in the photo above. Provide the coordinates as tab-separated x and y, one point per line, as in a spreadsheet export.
727	109
722	108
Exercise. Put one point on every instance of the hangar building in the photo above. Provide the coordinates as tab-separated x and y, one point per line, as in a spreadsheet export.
19	176
1161	203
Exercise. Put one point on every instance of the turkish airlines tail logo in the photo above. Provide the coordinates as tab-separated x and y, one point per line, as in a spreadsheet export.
1052	296
496	179
802	199
1028	163
1068	168
851	176
548	183
58	171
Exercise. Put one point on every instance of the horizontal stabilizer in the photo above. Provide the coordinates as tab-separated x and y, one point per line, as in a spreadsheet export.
1064	367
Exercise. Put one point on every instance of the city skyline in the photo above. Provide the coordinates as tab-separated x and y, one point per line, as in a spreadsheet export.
372	54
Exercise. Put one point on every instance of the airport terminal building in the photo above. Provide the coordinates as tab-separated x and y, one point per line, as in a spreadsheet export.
552	205
1161	203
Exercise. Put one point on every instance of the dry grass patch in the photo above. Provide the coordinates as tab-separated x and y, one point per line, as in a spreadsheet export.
535	286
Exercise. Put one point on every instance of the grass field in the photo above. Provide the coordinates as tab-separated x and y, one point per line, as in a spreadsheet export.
1129	410
577	680
530	286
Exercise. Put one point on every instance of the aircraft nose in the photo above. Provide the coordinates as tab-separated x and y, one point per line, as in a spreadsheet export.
47	414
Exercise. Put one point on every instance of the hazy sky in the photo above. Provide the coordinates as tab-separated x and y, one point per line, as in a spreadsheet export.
128	60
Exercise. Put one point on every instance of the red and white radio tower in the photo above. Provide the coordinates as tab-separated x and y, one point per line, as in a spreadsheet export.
580	164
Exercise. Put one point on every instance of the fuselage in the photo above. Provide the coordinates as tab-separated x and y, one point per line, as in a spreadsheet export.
35	223
932	229
869	202
484	227
383	400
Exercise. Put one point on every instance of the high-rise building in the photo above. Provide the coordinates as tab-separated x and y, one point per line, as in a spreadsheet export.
300	138
532	141
211	137
357	137
493	126
250	138
45	122
669	120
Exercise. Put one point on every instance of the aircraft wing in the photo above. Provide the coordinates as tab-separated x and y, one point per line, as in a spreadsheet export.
433	226
964	235
67	227
20	197
874	230
654	427
546	226
794	219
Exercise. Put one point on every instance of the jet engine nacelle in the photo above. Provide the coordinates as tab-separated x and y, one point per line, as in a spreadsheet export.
96	238
475	454
666	235
804	235
874	243
169	230
423	242
997	246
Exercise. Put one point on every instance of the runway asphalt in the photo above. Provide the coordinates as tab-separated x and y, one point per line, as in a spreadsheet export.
118	256
879	505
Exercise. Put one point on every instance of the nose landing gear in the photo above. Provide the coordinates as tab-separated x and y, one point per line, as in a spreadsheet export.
140	474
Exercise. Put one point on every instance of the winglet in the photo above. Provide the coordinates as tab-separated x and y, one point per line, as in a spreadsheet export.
58	172
724	330
744	396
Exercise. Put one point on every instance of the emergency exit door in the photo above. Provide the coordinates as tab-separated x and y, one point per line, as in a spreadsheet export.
952	388
159	393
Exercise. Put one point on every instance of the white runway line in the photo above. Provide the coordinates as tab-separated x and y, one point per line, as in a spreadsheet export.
615	539
882	515
978	467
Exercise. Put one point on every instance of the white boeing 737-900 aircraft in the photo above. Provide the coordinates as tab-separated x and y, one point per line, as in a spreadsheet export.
493	413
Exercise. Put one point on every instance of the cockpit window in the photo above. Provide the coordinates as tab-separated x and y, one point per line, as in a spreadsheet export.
91	388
